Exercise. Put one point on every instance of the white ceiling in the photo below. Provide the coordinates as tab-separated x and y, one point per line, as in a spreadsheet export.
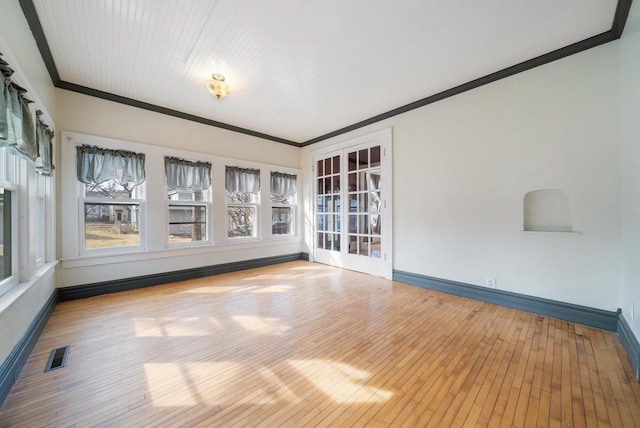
300	69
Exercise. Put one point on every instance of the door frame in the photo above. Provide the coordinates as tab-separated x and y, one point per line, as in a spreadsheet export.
384	139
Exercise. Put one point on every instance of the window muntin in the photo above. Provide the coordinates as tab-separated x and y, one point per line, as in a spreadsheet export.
243	200
283	199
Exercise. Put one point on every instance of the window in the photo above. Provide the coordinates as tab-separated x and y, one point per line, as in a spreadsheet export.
283	200
188	191
112	196
40	218
243	195
9	174
6	247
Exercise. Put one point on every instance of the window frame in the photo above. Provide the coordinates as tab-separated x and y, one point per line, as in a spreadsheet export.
293	206
155	204
206	203
83	200
10	181
41	184
257	235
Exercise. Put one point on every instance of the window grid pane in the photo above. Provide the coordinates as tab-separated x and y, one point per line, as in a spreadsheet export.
187	223
111	225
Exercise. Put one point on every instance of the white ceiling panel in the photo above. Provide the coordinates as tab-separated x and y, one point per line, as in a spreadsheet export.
300	69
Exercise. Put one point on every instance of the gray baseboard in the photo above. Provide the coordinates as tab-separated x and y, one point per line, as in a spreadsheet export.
98	288
12	365
598	318
631	345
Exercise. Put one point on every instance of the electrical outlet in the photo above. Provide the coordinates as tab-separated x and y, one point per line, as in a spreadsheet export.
633	314
490	282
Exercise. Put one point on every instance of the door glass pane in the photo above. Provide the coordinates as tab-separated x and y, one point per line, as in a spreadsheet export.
353	161
363	160
375	156
353	223
328	203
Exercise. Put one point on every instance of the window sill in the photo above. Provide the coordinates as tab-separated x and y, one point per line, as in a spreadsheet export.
14	293
103	259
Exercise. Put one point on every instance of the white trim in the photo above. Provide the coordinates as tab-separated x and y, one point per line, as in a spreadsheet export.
383	138
104	259
155	245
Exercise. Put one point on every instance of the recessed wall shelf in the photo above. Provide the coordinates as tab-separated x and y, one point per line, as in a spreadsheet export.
548	211
548	232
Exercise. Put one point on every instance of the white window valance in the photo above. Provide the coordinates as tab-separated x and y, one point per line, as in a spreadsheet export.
242	180
283	184
44	140
181	174
96	165
17	127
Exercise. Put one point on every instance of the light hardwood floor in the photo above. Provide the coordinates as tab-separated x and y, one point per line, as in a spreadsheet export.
301	344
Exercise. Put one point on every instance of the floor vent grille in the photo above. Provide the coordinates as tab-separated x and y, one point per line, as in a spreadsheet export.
57	358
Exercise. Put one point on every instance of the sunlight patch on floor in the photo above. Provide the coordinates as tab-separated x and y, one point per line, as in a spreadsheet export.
342	382
274	289
261	325
176	327
188	384
215	289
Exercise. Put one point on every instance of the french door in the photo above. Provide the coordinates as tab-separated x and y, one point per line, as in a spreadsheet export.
352	209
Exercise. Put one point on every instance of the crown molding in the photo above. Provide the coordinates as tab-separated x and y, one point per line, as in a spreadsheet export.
617	28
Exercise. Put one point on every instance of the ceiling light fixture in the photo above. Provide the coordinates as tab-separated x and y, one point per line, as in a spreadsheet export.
217	86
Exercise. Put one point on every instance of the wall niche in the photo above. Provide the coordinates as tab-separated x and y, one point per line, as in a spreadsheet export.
548	210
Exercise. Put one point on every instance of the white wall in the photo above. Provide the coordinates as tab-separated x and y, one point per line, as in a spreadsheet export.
19	306
88	115
630	84
16	33
463	165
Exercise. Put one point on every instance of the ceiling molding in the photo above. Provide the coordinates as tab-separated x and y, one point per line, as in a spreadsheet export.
617	28
170	112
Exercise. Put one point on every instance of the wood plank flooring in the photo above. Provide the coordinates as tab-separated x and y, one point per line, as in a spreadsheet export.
301	344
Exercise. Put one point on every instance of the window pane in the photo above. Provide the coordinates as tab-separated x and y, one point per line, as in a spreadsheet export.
242	198
112	190
5	233
281	220
111	225
185	195
242	221
187	223
40	228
